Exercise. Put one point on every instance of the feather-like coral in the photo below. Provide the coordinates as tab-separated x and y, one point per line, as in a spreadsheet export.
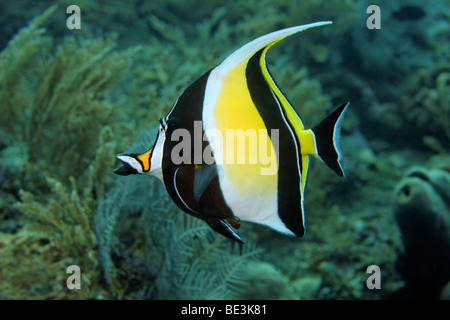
56	106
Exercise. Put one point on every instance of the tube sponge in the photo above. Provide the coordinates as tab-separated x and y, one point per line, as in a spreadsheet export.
422	213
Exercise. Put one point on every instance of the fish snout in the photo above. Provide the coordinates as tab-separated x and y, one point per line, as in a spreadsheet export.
129	164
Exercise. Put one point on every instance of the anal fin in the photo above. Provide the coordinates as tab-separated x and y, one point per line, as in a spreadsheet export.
224	228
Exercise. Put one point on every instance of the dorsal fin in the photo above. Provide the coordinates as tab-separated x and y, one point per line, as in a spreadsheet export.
248	50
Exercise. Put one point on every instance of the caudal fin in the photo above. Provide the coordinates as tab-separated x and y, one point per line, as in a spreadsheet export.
327	135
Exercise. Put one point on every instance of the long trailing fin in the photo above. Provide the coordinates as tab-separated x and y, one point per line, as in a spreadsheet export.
327	136
248	50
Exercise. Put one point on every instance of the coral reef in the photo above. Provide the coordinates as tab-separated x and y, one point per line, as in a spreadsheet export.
56	123
422	211
54	114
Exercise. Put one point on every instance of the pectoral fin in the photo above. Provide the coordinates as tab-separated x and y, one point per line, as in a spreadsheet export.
202	179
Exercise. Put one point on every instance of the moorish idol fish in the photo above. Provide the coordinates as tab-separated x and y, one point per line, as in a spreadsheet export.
262	177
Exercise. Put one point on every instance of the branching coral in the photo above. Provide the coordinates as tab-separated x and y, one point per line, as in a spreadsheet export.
56	233
57	107
57	236
55	103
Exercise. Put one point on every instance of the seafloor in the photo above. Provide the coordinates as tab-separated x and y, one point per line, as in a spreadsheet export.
71	99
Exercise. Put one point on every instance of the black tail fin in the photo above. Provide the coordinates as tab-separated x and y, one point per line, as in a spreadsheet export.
327	134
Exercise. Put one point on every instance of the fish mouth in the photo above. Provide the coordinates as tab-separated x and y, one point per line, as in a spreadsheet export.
126	169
